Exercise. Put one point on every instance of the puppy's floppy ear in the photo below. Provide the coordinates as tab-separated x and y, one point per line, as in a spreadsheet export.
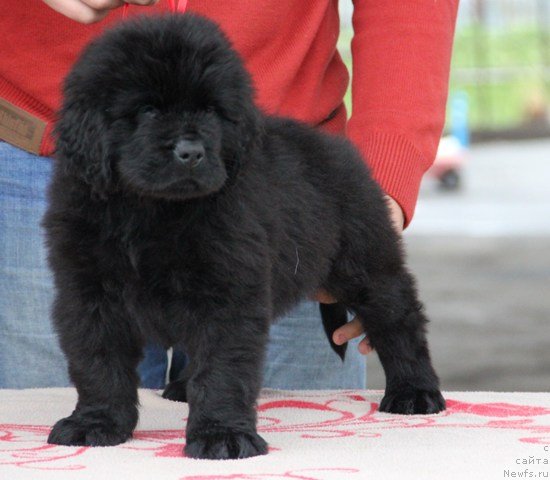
82	145
249	127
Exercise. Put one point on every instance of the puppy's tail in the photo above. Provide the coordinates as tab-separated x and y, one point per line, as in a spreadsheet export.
334	315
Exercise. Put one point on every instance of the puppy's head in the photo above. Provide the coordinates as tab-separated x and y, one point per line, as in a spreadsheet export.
161	106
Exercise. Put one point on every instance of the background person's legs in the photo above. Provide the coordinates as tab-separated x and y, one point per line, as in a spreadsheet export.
153	368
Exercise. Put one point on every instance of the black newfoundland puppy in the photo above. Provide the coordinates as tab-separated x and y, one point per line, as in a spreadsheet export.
180	213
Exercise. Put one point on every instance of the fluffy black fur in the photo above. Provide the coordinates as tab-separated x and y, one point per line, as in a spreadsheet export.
178	212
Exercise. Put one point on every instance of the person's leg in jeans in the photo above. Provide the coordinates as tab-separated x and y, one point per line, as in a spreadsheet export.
299	356
29	351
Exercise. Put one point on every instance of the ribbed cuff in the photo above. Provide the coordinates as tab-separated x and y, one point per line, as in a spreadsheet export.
396	165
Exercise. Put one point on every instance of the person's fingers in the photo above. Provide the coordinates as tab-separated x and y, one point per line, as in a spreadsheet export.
90	11
396	214
101	5
109	4
77	10
322	296
142	2
364	346
347	332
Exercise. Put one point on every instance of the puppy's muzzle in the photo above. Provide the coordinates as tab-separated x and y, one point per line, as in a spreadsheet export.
189	152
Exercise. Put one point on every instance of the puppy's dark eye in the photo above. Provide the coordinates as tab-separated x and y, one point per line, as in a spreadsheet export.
221	113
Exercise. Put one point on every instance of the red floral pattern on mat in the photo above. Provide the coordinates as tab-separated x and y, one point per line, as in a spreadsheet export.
305	474
311	418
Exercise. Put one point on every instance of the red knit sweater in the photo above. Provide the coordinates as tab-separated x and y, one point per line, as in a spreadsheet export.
401	55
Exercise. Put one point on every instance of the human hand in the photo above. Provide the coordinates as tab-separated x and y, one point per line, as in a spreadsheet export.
90	11
354	328
350	330
396	214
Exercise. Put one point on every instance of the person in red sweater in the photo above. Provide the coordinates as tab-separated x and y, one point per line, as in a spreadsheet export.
401	56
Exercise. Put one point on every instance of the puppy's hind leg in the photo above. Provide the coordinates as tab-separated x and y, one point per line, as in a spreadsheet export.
374	283
395	325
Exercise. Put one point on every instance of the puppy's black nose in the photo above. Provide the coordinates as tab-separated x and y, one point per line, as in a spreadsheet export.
189	152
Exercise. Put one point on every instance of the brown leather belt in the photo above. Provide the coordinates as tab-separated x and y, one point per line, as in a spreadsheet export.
20	128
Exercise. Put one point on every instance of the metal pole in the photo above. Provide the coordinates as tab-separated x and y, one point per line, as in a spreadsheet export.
481	54
544	39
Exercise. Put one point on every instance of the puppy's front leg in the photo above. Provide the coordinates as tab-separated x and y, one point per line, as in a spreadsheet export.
102	352
226	362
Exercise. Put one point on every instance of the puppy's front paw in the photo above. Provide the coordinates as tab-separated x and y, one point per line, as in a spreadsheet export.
88	430
412	401
225	444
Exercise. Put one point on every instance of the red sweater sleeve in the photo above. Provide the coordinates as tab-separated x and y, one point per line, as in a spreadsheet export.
401	56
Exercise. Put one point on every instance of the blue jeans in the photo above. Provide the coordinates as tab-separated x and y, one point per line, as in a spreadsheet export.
298	355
